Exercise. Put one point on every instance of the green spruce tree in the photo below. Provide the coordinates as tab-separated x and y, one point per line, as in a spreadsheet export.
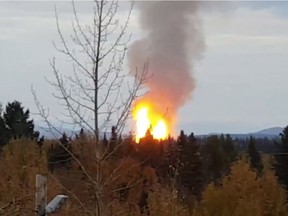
281	158
229	149
190	173
4	138
113	140
254	156
18	123
215	161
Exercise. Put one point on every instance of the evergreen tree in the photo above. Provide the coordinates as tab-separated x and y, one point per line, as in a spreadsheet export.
281	158
227	146
18	123
113	139
128	145
181	141
215	158
64	140
149	151
4	138
58	156
229	149
171	159
218	154
111	145
81	135
105	141
254	156
283	147
181	164
191	164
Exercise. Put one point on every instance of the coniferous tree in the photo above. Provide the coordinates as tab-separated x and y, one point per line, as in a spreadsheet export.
58	154
171	161
128	145
113	139
215	158
254	156
191	164
281	158
4	137
181	141
229	149
181	156
181	166
149	151
64	140
105	141
81	133
18	123
195	164
219	153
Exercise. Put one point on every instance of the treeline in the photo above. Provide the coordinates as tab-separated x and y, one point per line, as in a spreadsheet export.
185	175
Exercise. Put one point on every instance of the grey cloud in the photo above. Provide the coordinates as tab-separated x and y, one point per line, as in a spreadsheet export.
173	42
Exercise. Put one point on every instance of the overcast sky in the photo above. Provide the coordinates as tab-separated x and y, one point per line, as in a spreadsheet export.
241	79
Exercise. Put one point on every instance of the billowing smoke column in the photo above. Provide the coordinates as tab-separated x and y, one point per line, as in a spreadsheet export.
172	43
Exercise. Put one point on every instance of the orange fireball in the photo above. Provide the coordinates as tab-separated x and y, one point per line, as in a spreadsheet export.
147	119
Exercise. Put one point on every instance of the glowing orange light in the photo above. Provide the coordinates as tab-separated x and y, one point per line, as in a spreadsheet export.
160	130
146	119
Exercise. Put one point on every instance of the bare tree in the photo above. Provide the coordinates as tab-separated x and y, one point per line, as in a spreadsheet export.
93	93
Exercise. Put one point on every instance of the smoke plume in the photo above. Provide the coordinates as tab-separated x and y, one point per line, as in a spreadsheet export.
172	42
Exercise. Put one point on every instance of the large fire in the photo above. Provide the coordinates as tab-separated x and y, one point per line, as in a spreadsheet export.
147	119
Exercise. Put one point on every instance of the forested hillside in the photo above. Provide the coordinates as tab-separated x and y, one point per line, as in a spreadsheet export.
176	176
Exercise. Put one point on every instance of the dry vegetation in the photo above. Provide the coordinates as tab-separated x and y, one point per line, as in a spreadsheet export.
20	161
241	192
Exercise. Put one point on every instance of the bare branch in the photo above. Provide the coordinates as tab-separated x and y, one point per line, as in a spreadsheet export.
93	93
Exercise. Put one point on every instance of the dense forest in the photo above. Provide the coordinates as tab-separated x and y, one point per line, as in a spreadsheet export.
185	175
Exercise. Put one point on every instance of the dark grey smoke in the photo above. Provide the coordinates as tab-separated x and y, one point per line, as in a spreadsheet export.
172	42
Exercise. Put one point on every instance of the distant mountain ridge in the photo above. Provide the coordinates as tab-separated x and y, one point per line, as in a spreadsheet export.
269	133
48	134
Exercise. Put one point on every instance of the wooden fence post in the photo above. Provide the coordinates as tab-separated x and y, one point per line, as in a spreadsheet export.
41	195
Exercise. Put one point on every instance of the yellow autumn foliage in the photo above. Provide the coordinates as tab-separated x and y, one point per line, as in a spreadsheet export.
242	193
20	161
164	202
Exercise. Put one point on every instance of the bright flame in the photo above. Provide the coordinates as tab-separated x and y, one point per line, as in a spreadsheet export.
160	130
146	119
142	123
